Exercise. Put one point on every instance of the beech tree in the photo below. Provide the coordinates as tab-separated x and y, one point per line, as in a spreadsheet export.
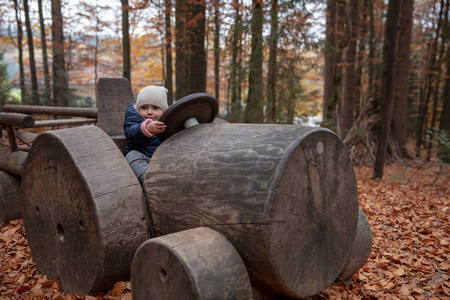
47	92
169	72
347	105
60	85
402	76
34	84
126	40
387	84
273	67
23	91
254	112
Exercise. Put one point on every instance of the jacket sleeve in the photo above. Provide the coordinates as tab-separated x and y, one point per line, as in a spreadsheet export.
132	128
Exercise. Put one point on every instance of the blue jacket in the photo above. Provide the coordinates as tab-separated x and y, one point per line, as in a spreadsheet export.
136	140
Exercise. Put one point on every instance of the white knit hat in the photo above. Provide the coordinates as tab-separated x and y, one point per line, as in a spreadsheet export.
154	95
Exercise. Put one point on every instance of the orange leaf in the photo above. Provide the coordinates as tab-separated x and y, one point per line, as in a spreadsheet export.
118	289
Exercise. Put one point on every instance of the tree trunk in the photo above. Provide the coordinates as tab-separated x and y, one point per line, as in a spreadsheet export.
347	108
438	78
169	71
235	106
330	60
195	29
254	111
370	71
47	92
126	40
445	115
387	84
423	106
217	49
34	84
23	91
60	86
401	78
360	97
181	43
333	111
97	29
273	67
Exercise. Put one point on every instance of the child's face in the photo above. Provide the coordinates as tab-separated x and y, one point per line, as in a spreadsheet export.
150	111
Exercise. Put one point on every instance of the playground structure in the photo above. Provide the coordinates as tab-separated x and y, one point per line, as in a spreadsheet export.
226	210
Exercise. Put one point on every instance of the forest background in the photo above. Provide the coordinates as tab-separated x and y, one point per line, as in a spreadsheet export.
376	72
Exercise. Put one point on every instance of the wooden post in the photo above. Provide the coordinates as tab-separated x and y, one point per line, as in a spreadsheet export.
193	264
113	97
284	196
10	197
83	209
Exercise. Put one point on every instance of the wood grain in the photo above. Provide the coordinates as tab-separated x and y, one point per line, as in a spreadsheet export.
10	197
361	248
194	264
83	209
285	196
12	162
114	95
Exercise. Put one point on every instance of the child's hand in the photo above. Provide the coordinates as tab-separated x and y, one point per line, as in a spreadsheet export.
156	127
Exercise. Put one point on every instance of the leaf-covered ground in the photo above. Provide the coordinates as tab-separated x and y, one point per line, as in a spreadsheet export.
409	215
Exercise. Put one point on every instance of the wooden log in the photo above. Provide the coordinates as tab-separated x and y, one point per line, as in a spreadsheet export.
18	120
10	197
194	264
52	110
12	162
63	122
113	97
362	246
284	196
83	209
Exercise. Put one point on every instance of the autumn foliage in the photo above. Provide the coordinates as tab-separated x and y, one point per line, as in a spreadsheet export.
409	215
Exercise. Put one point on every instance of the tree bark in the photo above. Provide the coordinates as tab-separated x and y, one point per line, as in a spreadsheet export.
347	108
330	59
169	71
181	43
423	106
47	91
370	71
360	97
235	105
401	78
23	90
254	112
445	115
34	84
217	49
195	29
273	67
126	40
387	84
341	39
60	86
438	78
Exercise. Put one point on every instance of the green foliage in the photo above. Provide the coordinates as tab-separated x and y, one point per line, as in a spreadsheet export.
5	85
442	138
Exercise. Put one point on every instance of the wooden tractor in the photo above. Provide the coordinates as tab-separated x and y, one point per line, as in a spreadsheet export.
226	211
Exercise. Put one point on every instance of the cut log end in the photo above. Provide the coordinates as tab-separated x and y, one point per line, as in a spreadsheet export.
83	209
314	215
196	264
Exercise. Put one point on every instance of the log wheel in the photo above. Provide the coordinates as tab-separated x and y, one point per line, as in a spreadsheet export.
83	209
